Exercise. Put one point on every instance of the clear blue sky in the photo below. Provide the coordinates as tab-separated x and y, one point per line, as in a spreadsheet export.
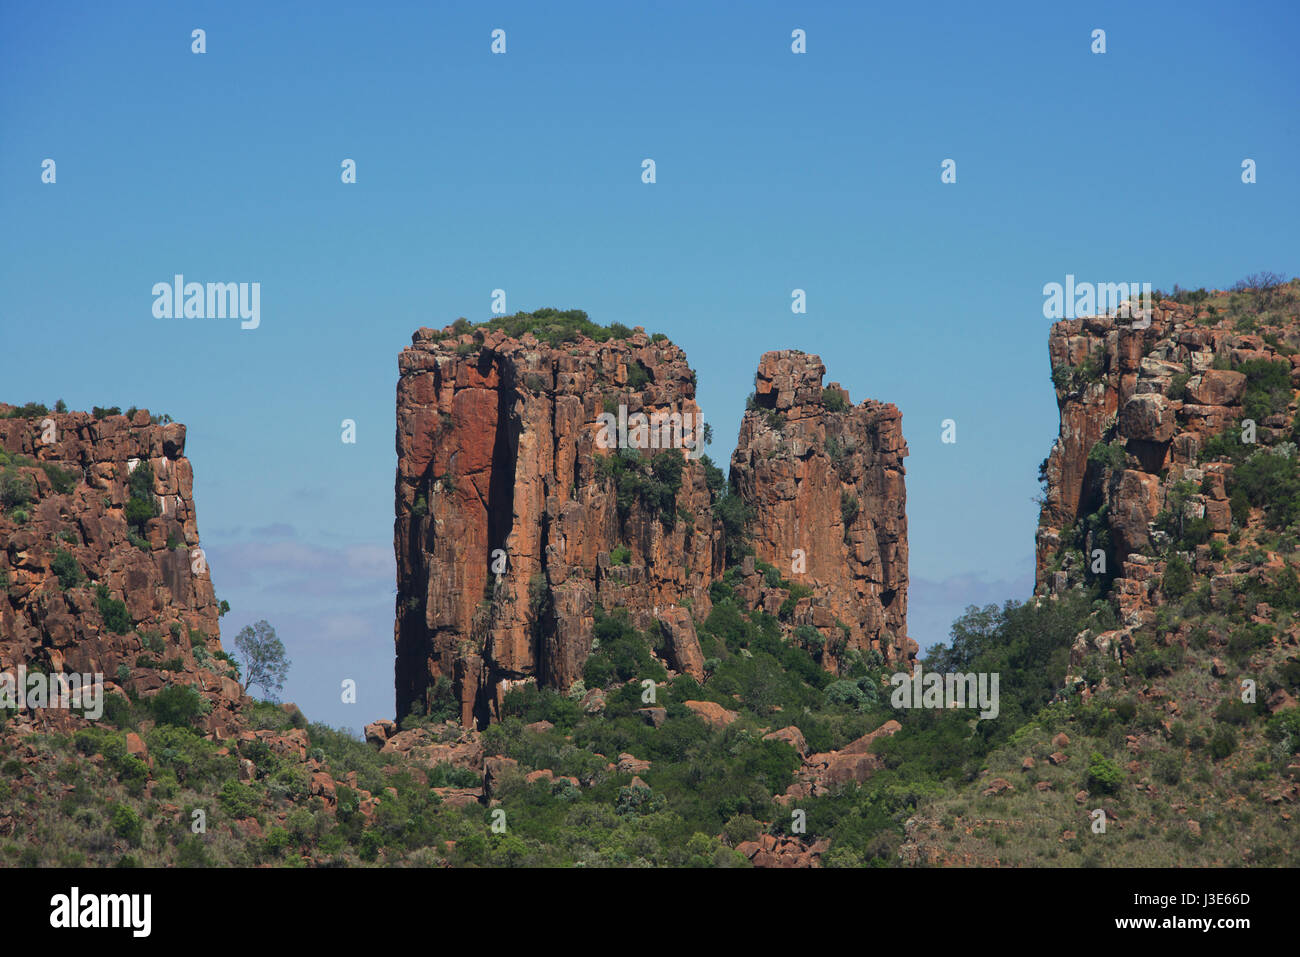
523	171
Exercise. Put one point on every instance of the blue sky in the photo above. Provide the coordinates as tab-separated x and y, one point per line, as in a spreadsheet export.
522	171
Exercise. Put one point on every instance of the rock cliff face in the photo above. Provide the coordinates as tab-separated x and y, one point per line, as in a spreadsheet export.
499	447
1138	406
84	588
823	481
514	520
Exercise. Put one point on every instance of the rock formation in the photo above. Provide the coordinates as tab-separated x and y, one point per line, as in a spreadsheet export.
823	481
498	444
514	520
1137	407
71	550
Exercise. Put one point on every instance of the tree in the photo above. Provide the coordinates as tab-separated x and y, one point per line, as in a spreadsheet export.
263	658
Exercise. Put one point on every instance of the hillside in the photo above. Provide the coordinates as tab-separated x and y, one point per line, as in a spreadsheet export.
646	674
1170	506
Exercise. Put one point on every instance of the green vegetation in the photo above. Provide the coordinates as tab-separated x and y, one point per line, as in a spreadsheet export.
112	611
652	481
62	481
848	509
32	410
1268	388
1071	379
66	569
142	505
263	657
1104	775
833	400
1109	456
552	326
638	376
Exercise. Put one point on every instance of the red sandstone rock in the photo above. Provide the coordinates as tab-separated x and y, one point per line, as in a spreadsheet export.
499	449
1131	403
712	713
165	591
803	469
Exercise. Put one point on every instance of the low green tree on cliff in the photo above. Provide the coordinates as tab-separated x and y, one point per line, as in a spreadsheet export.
262	656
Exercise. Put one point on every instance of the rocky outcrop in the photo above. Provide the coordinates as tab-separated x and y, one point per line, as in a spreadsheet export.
514	518
824	484
87	585
1137	407
513	521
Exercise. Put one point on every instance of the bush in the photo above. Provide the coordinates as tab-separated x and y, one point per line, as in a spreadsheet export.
623	653
15	489
177	705
833	400
809	637
638	377
1268	481
1223	743
1177	580
113	611
741	828
1104	774
66	569
126	823
1268	387
142	505
238	800
1109	456
848	508
62	482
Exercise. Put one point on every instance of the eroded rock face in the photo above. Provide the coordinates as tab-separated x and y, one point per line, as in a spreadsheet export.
824	481
1150	400
500	459
78	507
498	448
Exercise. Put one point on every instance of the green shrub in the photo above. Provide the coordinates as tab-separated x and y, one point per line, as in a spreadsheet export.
1223	743
126	823
1268	387
833	400
238	800
116	618
1177	580
15	489
1104	774
63	482
1269	481
848	508
66	569
1109	456
142	505
177	705
638	377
